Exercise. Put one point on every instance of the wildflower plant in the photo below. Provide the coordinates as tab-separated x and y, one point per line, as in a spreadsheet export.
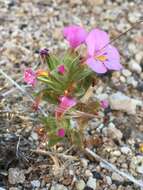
67	80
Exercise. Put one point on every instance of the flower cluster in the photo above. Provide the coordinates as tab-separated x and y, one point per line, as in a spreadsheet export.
68	78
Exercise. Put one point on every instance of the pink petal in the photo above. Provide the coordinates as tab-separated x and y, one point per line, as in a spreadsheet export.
96	65
104	103
65	104
30	76
75	35
61	69
113	62
61	132
96	40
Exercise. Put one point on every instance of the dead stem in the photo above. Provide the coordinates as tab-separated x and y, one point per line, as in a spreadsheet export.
21	89
48	153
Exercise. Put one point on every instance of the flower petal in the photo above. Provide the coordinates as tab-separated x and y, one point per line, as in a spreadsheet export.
61	132
65	104
61	69
104	103
30	76
96	40
75	35
113	61
96	65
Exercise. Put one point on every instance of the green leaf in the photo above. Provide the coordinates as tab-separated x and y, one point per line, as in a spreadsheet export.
53	139
44	79
53	62
50	123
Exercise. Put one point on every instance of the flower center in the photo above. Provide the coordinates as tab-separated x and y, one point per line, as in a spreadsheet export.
101	58
42	73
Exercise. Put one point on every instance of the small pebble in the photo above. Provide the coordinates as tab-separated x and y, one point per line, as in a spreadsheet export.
116	153
126	72
34	136
113	132
109	180
80	185
117	177
84	162
88	173
35	183
91	183
134	66
15	176
125	150
58	187
140	169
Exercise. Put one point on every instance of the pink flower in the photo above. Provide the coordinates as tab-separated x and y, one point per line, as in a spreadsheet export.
104	104
75	35
101	59
61	69
61	132
65	104
30	76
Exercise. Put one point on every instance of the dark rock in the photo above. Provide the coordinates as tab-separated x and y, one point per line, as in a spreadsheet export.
136	145
22	26
126	183
116	182
88	188
127	133
140	87
97	175
11	3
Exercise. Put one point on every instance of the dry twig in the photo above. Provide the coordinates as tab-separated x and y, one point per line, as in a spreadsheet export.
21	90
48	153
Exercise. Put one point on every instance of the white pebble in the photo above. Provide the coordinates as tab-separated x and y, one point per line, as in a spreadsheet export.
122	79
91	183
120	101
125	150
34	136
117	177
140	169
88	173
80	185
126	72
35	183
134	66
116	153
109	180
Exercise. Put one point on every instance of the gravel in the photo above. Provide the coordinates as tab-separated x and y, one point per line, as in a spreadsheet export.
16	176
27	26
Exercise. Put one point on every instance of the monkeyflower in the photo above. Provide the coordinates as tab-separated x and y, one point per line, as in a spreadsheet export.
65	104
101	55
104	104
75	35
61	132
61	69
30	76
